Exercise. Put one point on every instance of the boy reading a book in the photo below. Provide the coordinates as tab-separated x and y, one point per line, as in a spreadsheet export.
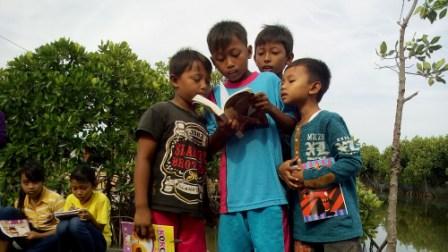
273	49
320	136
37	204
170	170
252	197
89	230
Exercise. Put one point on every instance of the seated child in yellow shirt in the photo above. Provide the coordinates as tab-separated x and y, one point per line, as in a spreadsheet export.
90	230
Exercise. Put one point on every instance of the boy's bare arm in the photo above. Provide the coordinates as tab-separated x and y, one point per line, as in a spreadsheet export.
226	128
285	122
145	154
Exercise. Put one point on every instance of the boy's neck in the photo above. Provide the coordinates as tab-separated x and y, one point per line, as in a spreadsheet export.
307	111
187	105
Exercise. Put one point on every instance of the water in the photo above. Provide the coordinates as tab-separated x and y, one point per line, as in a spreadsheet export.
422	226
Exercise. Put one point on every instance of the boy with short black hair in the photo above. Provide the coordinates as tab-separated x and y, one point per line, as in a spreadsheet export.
252	197
171	157
274	49
320	135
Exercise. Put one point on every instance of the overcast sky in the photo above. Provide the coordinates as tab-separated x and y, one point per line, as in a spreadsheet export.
343	33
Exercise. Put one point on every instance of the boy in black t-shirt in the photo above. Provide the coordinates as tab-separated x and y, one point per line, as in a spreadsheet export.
171	157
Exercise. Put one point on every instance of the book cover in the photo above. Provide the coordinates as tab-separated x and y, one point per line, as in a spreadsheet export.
163	242
238	106
66	214
322	203
15	228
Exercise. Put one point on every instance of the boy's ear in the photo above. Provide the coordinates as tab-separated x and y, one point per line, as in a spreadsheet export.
289	58
173	81
315	87
249	52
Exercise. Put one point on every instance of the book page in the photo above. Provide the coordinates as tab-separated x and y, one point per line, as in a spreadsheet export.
15	228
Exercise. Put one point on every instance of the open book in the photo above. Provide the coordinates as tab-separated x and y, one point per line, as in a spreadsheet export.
15	228
237	106
66	214
322	203
164	239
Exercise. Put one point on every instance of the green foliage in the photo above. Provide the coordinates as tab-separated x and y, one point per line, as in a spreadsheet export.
61	98
423	161
423	47
369	205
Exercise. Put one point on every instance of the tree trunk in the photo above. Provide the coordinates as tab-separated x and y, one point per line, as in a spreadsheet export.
395	164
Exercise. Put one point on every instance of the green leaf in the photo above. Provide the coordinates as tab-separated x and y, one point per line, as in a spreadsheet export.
439	64
431	81
420	67
426	66
435	40
435	48
383	48
442	14
440	79
432	16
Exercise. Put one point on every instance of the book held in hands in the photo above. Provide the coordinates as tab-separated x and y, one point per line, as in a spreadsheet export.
322	203
66	214
239	106
15	228
163	242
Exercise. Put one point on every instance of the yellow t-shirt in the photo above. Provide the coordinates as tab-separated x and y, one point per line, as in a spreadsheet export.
98	206
41	214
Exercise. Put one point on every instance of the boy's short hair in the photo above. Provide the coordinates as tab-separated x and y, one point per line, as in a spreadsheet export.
277	34
221	34
33	171
317	70
183	60
84	173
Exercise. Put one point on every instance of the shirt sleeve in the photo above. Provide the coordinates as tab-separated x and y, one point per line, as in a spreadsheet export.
152	122
345	150
69	204
103	210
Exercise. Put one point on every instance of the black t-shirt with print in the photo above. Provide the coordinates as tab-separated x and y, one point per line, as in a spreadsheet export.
179	167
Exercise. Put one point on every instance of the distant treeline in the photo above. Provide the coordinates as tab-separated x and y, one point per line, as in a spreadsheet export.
424	164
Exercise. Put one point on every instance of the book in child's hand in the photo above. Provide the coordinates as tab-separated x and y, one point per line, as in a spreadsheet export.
322	203
66	214
164	239
237	106
15	228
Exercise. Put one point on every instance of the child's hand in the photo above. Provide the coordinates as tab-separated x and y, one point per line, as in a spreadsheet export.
228	126
288	172
262	102
32	235
85	215
142	224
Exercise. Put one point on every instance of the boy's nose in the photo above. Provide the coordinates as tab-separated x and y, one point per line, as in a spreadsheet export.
267	58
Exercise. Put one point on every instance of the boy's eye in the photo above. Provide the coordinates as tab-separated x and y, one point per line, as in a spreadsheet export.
235	53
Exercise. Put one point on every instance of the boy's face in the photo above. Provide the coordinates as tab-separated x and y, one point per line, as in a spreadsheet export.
31	188
192	81
82	190
271	57
232	61
296	85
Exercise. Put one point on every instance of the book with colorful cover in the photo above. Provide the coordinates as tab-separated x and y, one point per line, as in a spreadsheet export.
15	228
322	203
163	242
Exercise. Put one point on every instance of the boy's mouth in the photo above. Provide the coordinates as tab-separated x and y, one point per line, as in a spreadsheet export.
267	68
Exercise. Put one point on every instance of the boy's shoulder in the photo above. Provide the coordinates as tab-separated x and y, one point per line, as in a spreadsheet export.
325	117
100	196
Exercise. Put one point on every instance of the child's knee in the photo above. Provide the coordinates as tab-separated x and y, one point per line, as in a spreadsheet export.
76	224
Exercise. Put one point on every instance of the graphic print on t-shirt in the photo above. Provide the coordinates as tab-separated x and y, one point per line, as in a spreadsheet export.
183	166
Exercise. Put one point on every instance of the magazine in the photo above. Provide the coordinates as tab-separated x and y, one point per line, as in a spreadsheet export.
66	214
163	242
322	203
238	106
15	228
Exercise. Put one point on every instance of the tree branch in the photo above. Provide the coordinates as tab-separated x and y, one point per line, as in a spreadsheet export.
410	97
387	67
409	15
